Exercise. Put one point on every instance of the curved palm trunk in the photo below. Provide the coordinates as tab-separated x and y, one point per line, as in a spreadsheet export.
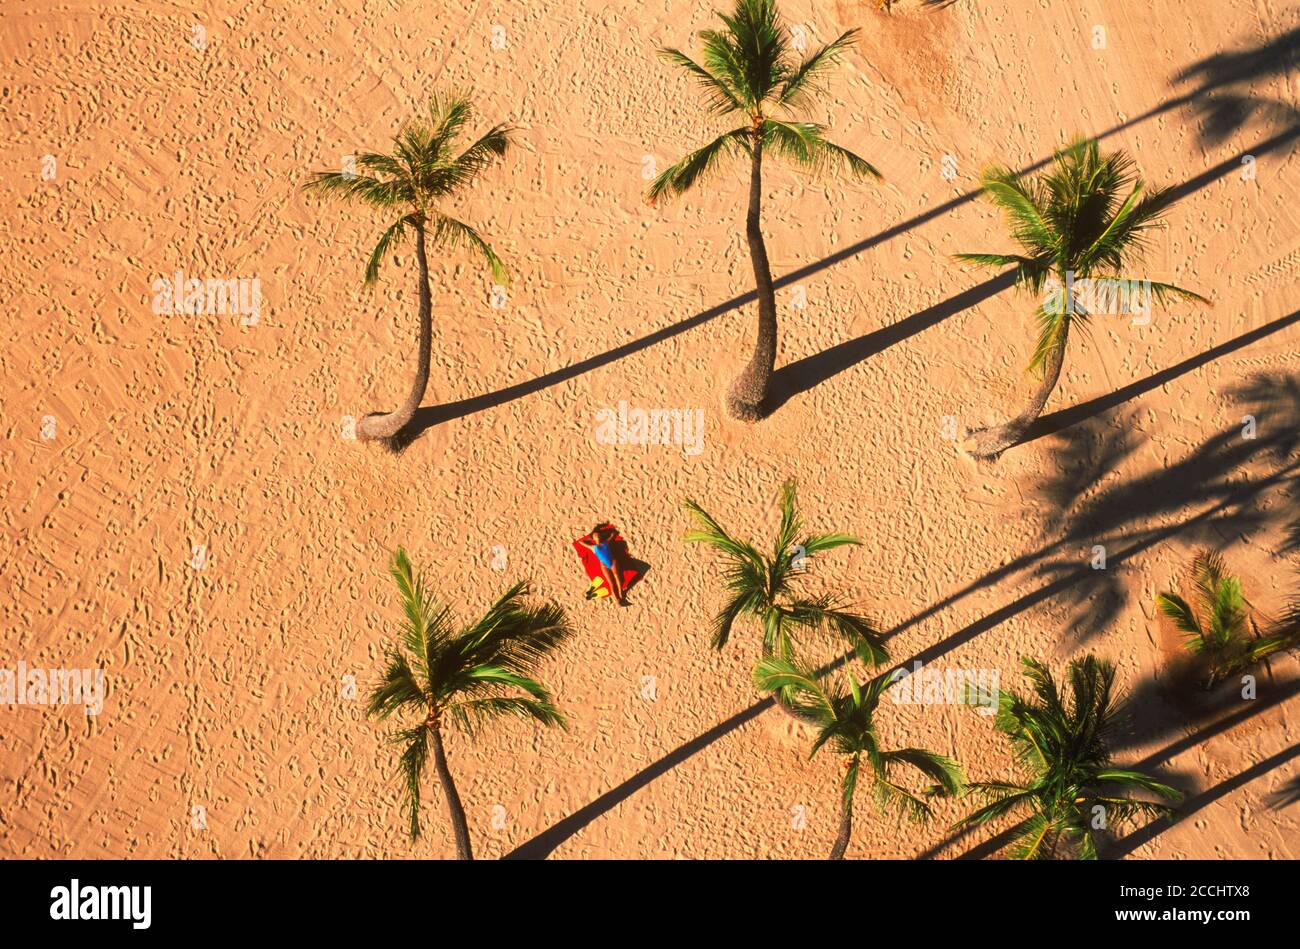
459	824
992	442
846	828
380	426
747	395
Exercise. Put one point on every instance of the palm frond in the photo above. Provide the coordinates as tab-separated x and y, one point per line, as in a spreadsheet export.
1164	292
797	90
1005	799
894	797
448	115
942	770
411	768
1184	619
1136	779
860	632
398	689
1123	810
777	674
686	173
761	46
1030	839
1208	570
722	98
426	622
790	521
742	602
820	543
805	145
394	235
450	232
491	145
1021	205
354	187
710	532
471	714
831	155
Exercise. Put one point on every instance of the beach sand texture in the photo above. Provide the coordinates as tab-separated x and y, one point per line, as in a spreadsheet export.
228	685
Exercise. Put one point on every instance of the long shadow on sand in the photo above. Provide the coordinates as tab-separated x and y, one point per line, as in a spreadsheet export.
1212	100
1065	418
1205	477
1122	848
1222	111
1240	484
802	375
1286	795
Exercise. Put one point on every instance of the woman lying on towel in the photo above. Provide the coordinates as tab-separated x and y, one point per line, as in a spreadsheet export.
600	545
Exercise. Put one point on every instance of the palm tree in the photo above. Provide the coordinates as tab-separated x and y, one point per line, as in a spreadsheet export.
847	721
766	588
1218	623
749	70
467	676
1086	218
1216	627
1073	788
422	170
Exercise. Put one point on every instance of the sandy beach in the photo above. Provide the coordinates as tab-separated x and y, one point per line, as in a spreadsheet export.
184	510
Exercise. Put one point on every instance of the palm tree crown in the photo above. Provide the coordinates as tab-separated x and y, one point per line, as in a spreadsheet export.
1216	623
766	587
749	69
1063	743
846	721
1089	215
423	168
466	675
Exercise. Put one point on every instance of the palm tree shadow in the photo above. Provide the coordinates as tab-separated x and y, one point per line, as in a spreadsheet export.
1211	474
1223	108
1061	419
1138	838
1083	458
1156	711
1231	505
430	415
1233	480
1272	59
541	846
1277	396
1217	97
1286	795
1278	56
802	375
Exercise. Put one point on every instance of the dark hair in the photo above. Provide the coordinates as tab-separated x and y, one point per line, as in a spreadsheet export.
598	529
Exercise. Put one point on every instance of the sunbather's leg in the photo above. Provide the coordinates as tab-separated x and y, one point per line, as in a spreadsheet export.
615	586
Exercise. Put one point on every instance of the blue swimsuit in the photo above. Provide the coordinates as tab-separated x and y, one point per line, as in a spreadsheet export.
603	555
